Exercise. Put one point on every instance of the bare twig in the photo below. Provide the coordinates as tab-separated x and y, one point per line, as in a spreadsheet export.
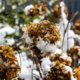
76	13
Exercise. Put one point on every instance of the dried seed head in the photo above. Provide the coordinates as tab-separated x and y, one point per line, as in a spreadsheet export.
39	9
8	63
41	37
58	72
45	29
57	11
59	58
77	73
76	27
73	51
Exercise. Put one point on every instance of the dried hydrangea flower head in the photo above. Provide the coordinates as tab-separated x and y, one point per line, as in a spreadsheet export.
73	53
77	73
60	68
66	60
38	9
45	29
57	11
42	36
9	67
59	72
76	27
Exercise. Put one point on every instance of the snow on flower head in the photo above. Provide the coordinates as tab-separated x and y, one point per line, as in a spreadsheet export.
58	72
66	58
28	40
58	51
37	9
42	36
46	63
60	68
45	29
61	58
60	10
44	46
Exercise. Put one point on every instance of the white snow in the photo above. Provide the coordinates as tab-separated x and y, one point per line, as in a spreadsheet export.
58	51
2	39
36	20
46	63
10	41
45	46
1	25
64	17
7	30
65	57
69	69
51	2
28	8
26	73
26	66
14	7
36	74
71	34
28	40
